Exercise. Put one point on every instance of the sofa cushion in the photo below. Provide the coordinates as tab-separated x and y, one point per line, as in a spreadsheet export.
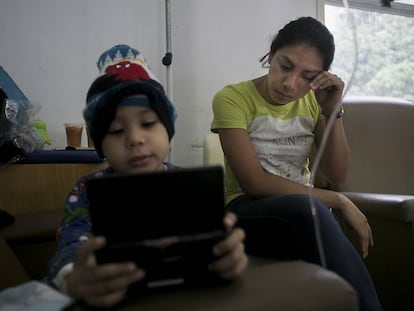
380	133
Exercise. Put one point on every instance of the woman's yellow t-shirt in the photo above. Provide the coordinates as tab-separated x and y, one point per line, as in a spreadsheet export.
282	135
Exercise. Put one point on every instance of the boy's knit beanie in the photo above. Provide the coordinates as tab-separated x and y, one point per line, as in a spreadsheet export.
125	79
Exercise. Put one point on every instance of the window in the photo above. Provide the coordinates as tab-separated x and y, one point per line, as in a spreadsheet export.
374	46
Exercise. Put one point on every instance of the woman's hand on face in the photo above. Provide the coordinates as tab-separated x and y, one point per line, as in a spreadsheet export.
99	285
328	88
359	222
232	261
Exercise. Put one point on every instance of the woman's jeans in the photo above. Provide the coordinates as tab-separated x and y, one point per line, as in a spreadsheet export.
283	227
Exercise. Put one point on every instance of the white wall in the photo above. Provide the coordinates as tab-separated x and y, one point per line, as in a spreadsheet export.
50	48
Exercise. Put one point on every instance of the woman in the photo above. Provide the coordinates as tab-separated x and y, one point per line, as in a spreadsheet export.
267	128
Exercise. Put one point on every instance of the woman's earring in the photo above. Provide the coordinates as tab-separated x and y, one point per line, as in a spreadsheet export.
265	61
265	65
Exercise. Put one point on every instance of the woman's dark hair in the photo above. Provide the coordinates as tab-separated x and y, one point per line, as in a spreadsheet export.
306	30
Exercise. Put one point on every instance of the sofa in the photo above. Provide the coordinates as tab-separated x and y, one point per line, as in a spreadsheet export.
33	191
380	182
27	244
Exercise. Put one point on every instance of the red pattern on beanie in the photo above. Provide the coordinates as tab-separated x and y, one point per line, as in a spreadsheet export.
127	71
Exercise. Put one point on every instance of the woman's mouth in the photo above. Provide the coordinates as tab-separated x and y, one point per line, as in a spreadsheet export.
282	95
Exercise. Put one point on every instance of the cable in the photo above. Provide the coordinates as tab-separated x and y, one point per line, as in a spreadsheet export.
167	61
325	136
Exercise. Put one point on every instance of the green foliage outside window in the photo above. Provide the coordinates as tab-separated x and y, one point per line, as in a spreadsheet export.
385	51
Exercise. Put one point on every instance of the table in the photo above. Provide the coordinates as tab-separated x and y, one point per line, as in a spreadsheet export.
273	285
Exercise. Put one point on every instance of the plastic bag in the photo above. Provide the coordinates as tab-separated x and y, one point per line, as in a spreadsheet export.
18	134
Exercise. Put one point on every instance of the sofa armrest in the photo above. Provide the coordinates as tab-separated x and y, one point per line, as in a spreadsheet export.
390	260
31	242
392	206
212	152
32	227
12	272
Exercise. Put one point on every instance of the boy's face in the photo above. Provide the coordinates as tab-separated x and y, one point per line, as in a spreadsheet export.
136	141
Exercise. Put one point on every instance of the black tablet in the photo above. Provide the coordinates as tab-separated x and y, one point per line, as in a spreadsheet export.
167	222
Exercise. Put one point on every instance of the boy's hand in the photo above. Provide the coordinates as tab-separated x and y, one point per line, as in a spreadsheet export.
232	258
99	285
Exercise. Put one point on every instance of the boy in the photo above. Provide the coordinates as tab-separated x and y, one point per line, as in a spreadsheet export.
131	123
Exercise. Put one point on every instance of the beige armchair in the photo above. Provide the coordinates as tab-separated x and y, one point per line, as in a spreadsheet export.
380	182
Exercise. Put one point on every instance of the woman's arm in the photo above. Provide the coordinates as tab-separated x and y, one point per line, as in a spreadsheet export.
255	182
246	167
334	161
335	158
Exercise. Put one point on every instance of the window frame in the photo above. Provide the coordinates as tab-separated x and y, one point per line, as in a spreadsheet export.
397	8
400	9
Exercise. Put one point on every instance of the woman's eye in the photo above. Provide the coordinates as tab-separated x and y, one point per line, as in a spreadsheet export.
285	67
310	79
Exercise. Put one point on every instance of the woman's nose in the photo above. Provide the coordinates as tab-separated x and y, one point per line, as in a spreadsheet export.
290	81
